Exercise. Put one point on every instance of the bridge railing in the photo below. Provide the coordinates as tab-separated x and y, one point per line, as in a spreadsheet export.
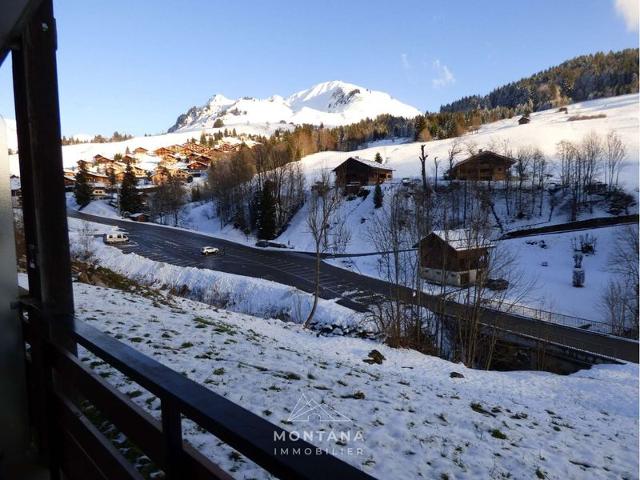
554	317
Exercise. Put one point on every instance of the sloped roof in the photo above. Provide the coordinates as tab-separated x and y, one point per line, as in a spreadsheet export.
463	239
485	153
368	163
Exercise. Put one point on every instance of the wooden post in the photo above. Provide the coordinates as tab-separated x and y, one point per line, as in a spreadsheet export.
42	161
44	205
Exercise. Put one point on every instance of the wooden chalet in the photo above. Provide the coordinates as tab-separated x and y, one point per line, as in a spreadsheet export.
162	151
97	178
226	147
69	179
453	257
83	163
359	171
129	159
162	174
483	166
524	120
101	159
140	151
198	165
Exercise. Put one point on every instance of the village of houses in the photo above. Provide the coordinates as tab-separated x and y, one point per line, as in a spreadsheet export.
150	167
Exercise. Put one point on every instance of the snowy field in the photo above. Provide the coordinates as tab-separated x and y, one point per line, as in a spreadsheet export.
546	129
415	421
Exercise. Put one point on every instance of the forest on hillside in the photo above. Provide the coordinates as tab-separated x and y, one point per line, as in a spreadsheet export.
586	77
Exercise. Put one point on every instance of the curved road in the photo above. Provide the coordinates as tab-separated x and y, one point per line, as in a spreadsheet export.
358	292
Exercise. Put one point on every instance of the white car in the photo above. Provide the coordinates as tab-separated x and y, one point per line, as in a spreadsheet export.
110	238
209	250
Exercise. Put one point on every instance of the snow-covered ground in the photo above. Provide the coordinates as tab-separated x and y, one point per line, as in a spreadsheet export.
545	130
408	416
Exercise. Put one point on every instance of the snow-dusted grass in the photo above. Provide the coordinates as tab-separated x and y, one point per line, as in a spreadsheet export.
415	420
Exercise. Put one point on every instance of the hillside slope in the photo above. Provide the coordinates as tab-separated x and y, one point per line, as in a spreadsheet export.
415	421
581	78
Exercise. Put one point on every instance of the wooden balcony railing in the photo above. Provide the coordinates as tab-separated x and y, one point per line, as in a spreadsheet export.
60	384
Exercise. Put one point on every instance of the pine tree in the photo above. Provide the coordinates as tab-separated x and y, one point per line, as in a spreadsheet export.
267	215
82	190
111	176
203	139
129	199
420	125
378	196
378	157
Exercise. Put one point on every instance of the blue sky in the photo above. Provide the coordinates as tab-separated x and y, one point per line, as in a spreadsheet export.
133	66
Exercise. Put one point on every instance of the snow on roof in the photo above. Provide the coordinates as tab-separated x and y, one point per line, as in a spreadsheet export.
368	163
484	153
464	239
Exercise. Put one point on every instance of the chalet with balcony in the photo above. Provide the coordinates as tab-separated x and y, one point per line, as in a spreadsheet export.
69	179
453	257
129	159
484	166
198	165
357	171
162	174
101	160
162	151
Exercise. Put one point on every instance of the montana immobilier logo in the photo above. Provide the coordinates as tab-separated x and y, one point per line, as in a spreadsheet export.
328	430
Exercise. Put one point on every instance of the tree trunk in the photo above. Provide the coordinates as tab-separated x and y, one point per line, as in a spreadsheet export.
316	293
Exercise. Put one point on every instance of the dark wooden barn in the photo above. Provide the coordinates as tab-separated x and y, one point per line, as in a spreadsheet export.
361	172
453	257
483	166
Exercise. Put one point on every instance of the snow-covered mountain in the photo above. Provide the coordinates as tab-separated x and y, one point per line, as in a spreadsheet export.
331	103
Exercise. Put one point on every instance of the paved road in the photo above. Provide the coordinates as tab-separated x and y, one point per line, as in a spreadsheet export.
588	224
179	247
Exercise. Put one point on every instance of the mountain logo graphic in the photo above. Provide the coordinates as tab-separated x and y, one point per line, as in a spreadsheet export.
308	410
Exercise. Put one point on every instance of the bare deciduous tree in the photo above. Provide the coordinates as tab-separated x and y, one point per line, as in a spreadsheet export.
620	300
423	167
454	150
615	152
324	202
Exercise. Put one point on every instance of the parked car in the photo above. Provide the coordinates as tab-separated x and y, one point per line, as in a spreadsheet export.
209	250
265	244
497	284
111	238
